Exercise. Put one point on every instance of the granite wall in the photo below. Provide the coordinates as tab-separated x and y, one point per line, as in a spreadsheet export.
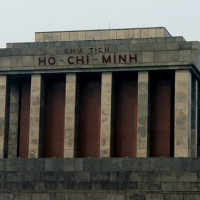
100	179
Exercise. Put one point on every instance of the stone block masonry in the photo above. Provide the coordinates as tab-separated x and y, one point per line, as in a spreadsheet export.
3	115
102	34
13	125
75	57
70	116
129	54
106	101
34	128
143	98
102	179
182	113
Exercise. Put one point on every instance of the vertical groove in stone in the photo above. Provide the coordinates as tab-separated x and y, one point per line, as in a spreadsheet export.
105	134
3	88
70	106
198	118
142	120
13	120
34	128
182	121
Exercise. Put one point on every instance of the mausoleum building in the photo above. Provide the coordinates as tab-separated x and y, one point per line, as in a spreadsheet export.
101	94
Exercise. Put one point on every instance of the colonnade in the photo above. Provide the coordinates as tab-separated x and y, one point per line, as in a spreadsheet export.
185	115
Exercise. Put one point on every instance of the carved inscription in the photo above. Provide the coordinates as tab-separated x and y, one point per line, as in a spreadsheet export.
100	55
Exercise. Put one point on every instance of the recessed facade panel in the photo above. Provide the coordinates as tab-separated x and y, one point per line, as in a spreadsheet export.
89	116
54	107
125	115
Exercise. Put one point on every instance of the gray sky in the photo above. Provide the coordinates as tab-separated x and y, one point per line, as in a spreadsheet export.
20	19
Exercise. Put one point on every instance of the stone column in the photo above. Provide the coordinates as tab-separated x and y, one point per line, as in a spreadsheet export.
182	124
198	118
34	127
106	99
194	113
3	115
143	113
13	120
70	114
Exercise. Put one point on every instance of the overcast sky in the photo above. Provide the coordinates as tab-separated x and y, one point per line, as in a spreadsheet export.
20	19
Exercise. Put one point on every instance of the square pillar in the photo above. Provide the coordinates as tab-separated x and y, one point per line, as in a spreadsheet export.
70	114
13	120
143	113
194	115
106	101
182	123
3	114
35	117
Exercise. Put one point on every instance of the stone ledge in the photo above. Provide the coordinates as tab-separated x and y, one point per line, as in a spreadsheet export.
30	45
85	195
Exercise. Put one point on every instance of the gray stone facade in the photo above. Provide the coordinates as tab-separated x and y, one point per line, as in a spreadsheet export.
13	120
69	145
102	34
102	179
140	51
104	51
34	127
39	57
143	114
106	103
